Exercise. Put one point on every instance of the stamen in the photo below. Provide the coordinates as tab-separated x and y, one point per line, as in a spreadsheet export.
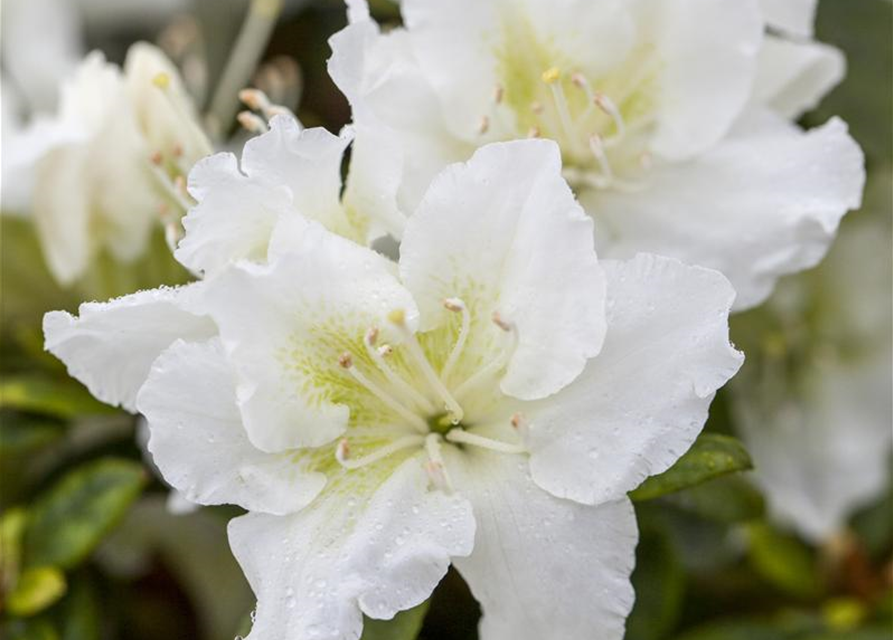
398	318
456	305
596	145
255	99
537	107
172	189
607	105
378	355
484	125
345	360
552	78
460	436
161	80
435	466
496	364
342	451
533	132
498	93
252	122
520	424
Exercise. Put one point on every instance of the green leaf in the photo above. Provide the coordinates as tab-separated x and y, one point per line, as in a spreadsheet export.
28	630
62	398
37	588
711	456
727	500
735	630
404	626
80	613
659	582
783	561
68	521
21	435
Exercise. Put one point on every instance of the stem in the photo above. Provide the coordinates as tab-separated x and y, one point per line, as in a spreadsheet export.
249	47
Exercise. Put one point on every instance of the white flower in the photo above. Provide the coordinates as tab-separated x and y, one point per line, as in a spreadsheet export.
487	401
814	404
104	167
672	119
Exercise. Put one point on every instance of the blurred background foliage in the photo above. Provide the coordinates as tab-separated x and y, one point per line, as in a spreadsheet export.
92	546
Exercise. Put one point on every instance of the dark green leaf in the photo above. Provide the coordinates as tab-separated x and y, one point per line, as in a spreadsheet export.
68	521
783	561
80	614
36	589
28	630
711	456
729	499
62	398
404	626
21	435
659	582
735	630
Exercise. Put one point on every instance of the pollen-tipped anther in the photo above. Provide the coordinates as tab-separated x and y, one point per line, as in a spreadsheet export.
251	122
345	360
551	75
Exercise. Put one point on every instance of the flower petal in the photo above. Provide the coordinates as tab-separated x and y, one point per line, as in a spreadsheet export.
823	451
641	403
795	17
400	133
234	216
543	567
286	324
111	346
764	203
792	77
709	50
308	162
198	441
503	233
315	572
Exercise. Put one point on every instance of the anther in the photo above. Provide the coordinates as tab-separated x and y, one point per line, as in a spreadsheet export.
551	75
156	158
456	305
498	93
397	317
500	322
533	132
254	99
536	107
161	80
251	122
607	105
345	360
371	336
483	125
342	451
177	151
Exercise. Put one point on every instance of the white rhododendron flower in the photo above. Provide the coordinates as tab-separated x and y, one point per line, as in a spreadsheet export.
813	406
104	169
487	401
672	118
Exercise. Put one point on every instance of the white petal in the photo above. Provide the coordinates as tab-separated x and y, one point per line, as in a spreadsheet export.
709	50
543	567
504	233
824	451
366	548
61	203
111	346
401	140
643	400
792	77
198	441
795	17
764	203
286	324
234	216
308	162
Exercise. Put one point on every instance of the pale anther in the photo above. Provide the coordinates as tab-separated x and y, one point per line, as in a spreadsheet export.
498	93
252	122
483	125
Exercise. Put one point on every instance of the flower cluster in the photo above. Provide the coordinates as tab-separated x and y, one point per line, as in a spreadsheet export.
579	191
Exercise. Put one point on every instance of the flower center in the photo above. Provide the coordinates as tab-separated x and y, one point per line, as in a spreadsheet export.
601	124
425	399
